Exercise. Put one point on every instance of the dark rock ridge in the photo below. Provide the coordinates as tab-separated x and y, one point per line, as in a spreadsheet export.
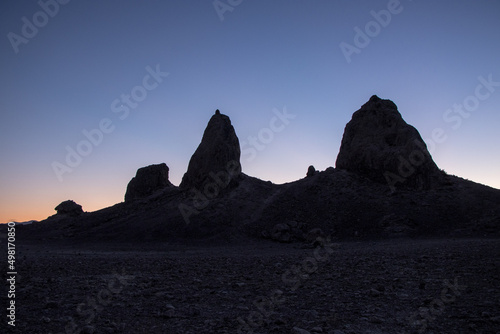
147	181
217	158
69	208
380	145
352	201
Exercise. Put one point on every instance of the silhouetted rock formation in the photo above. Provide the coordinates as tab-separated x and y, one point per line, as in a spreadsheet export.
148	180
217	158
311	171
379	144
341	203
69	208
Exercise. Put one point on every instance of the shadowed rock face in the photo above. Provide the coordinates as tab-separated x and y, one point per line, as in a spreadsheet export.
380	145
217	158
343	202
69	208
148	180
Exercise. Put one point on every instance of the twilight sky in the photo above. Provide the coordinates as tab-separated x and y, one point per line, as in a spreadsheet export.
93	90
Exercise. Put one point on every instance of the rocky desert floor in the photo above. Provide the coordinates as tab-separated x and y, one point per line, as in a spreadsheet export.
397	286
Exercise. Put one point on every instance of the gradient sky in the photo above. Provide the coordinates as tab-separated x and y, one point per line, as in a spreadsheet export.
251	61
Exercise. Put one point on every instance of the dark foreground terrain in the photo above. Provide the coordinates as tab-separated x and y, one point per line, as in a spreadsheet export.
225	252
398	286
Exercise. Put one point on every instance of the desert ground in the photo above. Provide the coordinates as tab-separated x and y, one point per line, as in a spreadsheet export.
224	252
258	286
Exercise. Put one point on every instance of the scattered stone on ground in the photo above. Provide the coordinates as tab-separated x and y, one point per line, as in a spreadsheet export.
266	287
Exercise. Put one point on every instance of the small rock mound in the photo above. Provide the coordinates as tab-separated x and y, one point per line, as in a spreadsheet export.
148	180
380	145
69	208
286	232
217	158
311	171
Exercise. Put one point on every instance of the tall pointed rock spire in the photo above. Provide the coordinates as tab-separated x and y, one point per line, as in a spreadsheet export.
217	158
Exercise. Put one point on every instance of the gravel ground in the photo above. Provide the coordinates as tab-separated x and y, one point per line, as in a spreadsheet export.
399	286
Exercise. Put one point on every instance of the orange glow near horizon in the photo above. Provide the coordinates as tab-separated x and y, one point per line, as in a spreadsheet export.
43	209
16	208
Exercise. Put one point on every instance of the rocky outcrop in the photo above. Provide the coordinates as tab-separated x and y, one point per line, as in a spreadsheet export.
216	161
147	181
69	208
286	232
380	145
311	171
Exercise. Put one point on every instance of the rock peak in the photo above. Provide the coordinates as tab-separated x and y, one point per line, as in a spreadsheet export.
375	103
217	155
147	181
379	144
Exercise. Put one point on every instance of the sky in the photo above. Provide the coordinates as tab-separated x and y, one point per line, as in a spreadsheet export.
93	90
